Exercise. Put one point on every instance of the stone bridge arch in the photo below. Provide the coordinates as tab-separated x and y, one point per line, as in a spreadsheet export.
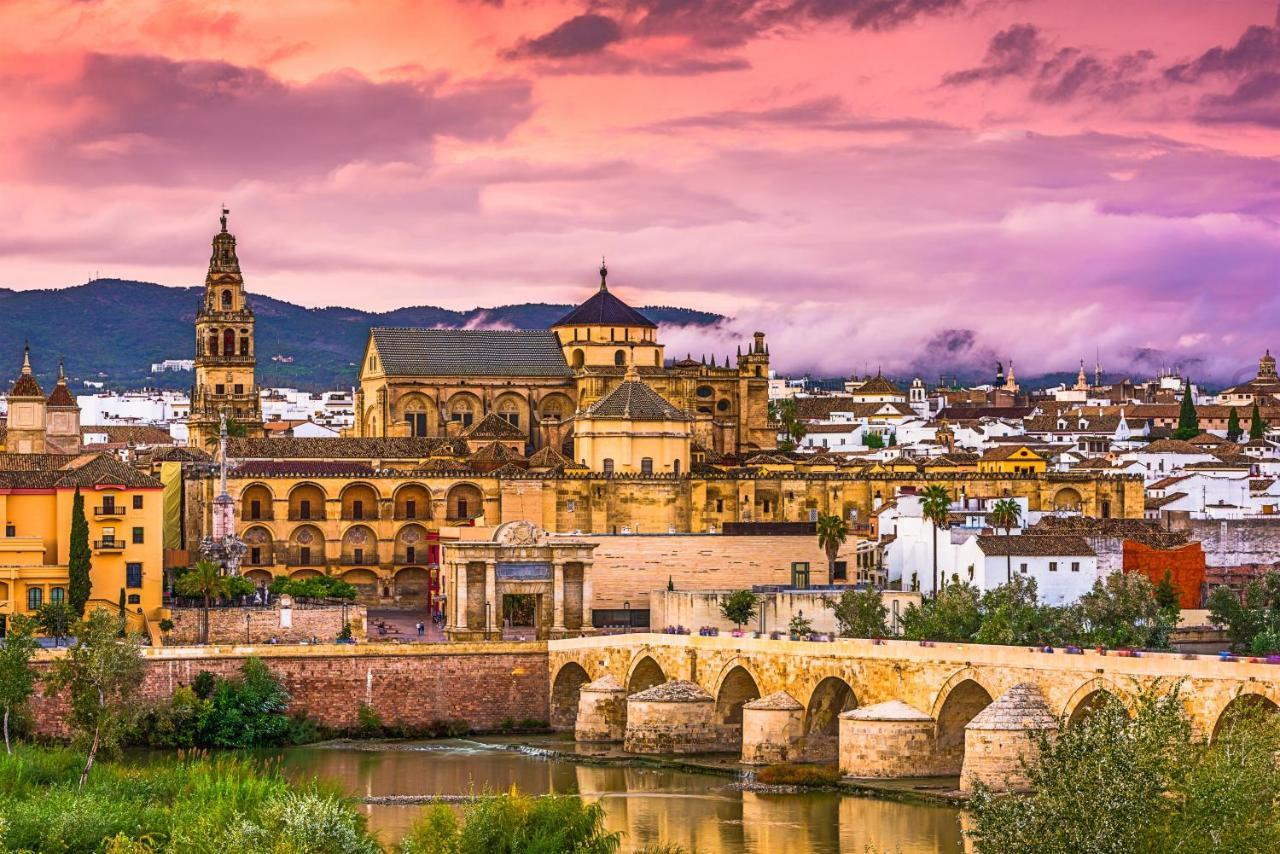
831	696
1091	696
645	672
959	700
735	686
565	691
1252	699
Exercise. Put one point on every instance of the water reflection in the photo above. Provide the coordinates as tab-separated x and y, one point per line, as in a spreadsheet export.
703	813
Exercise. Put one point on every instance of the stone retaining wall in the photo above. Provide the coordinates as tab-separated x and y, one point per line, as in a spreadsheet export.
260	625
413	684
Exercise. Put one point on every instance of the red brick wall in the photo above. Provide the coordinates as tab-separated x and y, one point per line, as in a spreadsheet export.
1186	564
413	687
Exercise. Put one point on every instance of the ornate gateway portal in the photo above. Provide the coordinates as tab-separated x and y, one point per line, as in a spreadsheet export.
522	581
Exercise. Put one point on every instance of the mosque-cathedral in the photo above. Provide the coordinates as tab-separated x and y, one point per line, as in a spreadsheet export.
585	428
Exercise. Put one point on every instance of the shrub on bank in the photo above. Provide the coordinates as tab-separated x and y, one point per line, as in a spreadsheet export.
790	774
193	804
513	824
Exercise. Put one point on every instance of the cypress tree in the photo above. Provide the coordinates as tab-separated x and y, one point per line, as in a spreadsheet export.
1233	426
78	559
1188	422
1257	427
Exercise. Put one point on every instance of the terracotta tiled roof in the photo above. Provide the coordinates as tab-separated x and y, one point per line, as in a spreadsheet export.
547	458
496	452
61	397
877	385
821	408
1008	452
26	386
180	454
1138	530
301	468
337	448
635	400
84	470
129	434
1034	545
1171	446
494	426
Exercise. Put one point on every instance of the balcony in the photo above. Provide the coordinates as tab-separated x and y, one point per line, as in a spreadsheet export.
361	560
207	359
109	545
295	516
109	511
296	559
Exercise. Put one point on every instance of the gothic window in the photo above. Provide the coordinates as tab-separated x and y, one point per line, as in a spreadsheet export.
509	412
228	342
462	412
226	300
620	357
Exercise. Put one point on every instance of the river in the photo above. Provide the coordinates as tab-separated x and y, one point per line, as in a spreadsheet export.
706	813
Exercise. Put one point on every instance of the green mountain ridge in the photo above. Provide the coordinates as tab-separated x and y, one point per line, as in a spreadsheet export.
112	330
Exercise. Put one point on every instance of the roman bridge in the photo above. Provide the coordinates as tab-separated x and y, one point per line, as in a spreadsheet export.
947	682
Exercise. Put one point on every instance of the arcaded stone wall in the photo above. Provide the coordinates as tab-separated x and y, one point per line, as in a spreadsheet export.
413	685
260	625
888	749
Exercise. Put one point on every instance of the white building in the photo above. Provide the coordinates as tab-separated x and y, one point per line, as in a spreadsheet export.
149	406
1063	566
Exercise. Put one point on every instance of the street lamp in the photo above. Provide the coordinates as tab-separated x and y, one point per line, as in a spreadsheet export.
488	624
626	606
246	627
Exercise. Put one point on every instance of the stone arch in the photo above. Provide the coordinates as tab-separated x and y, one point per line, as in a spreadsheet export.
259	577
831	696
510	405
306	573
1067	498
306	546
555	407
565	692
359	546
1090	697
365	581
260	547
737	687
257	503
645	672
411	544
959	702
372	422
306	501
464	501
579	358
620	358
465	409
412	501
413	587
1245	703
359	501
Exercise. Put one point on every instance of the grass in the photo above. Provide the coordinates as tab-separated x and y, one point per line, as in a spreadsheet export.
790	774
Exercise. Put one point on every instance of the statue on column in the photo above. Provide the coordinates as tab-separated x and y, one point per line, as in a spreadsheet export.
223	547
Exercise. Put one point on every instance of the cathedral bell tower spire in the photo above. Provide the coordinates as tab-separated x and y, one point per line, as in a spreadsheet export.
225	381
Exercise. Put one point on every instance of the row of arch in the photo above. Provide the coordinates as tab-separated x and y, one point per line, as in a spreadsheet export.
423	414
359	545
957	703
361	501
410	585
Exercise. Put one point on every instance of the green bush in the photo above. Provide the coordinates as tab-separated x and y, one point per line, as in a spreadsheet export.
513	824
368	721
315	587
788	774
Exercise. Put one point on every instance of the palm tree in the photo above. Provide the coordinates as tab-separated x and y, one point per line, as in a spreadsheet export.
204	579
832	532
1005	514
935	501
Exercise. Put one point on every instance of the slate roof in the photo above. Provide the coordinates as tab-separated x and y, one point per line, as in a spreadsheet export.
1034	545
469	352
494	426
604	309
635	400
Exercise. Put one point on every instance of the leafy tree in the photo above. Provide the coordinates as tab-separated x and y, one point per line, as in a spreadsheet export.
1166	595
1011	615
1005	515
800	625
102	675
951	615
1234	430
315	587
893	440
1252	621
17	678
1121	611
934	504
1257	427
873	440
204	580
79	562
248	710
860	613
740	607
833	531
55	619
783	412
1188	421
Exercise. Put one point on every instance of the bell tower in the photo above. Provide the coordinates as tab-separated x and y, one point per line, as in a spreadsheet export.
225	382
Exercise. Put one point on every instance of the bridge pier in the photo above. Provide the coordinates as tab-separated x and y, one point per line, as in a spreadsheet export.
772	730
887	740
674	717
602	711
999	741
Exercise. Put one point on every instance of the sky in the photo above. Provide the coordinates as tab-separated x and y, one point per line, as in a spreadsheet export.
917	186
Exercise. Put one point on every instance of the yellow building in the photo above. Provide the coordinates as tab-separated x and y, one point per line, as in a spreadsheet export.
225	357
441	382
124	512
632	430
1012	459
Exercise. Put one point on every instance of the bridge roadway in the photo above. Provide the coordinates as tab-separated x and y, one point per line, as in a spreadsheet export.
948	681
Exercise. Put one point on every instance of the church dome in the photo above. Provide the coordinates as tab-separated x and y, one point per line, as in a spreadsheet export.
604	309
